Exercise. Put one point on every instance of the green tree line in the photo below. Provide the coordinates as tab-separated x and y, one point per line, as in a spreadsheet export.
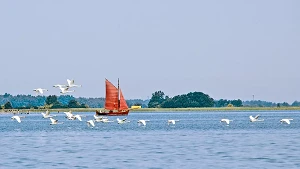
199	99
192	99
64	101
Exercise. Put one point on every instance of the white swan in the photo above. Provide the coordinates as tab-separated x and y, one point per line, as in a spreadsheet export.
40	90
77	116
287	121
47	114
227	121
65	90
71	83
122	121
172	121
98	117
254	119
90	123
105	120
69	115
101	119
143	122
59	86
54	121
18	118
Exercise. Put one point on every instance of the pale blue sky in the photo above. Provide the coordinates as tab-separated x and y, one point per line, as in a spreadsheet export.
228	49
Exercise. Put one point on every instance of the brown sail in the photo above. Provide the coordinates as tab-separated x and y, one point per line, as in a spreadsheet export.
123	104
111	98
115	103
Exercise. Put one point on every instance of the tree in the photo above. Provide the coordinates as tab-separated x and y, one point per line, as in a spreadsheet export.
75	104
6	95
285	104
8	105
65	99
156	99
278	104
296	103
51	99
237	103
192	99
221	103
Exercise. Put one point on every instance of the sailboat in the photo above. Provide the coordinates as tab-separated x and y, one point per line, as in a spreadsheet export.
115	103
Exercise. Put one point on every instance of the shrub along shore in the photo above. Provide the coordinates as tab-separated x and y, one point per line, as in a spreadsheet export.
205	109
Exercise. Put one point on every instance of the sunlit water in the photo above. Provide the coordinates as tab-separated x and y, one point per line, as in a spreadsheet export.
198	140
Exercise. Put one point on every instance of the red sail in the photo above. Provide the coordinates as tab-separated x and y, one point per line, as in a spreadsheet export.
123	104
111	100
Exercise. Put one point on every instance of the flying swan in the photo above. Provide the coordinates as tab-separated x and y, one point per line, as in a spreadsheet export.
40	90
287	121
65	90
122	121
143	122
47	114
90	123
255	119
172	121
54	121
227	121
17	118
71	83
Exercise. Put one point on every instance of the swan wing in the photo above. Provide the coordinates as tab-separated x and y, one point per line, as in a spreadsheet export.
53	120
257	116
78	117
18	119
48	112
69	82
92	123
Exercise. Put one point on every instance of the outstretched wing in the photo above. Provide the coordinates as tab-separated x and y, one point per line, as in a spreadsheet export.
70	82
143	122
53	120
18	119
47	112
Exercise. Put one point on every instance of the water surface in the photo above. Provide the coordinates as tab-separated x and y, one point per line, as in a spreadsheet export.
198	140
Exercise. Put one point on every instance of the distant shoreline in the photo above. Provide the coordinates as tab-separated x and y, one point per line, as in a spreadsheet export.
205	109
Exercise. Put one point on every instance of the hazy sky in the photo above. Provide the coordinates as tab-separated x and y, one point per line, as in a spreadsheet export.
227	49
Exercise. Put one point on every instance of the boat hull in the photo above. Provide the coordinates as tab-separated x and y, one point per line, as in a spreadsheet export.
118	113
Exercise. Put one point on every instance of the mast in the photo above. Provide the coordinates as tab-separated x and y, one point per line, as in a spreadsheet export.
118	96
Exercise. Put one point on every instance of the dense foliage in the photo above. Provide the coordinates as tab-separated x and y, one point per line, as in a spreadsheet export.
158	99
228	103
8	105
63	101
192	99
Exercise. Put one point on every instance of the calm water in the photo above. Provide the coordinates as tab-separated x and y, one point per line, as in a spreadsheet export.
198	140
